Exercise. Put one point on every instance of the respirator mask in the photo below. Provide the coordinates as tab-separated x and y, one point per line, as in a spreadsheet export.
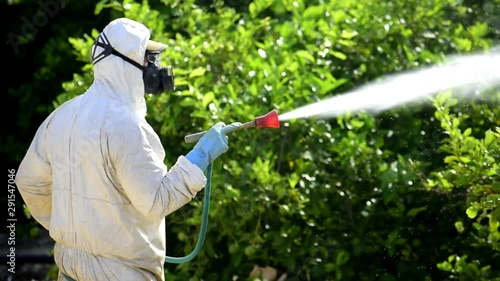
156	79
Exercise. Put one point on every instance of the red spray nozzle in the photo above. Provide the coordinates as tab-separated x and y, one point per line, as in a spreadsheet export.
269	120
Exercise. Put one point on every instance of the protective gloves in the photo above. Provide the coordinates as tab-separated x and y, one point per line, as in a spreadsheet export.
211	145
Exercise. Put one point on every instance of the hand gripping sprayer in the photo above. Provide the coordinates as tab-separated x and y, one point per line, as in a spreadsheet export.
269	120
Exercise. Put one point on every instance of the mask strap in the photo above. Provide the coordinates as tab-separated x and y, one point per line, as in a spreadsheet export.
108	50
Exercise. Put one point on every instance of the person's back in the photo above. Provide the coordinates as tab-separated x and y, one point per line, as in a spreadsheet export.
79	141
94	174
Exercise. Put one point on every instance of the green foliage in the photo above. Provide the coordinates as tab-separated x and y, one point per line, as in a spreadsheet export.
411	194
464	270
472	167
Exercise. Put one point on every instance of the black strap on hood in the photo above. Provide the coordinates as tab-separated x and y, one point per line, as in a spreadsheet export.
103	42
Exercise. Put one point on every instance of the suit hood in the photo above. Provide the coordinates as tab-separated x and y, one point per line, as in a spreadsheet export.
114	77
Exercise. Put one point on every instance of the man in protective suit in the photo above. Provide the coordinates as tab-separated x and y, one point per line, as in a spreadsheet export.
94	174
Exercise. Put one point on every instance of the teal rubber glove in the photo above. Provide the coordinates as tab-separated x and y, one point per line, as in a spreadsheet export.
211	145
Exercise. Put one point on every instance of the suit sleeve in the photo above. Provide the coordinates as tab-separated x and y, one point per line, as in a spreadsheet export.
34	179
153	190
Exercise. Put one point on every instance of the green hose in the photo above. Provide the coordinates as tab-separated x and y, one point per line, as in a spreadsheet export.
204	223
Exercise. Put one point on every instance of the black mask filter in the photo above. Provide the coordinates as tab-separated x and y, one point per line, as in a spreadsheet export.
156	80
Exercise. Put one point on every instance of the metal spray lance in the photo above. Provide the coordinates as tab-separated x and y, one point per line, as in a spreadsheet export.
269	120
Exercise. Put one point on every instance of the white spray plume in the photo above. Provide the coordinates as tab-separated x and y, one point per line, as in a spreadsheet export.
466	75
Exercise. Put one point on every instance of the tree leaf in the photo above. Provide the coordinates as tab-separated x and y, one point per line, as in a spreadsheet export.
414	211
207	98
450	159
467	132
489	137
306	55
459	226
199	71
471	212
338	55
465	159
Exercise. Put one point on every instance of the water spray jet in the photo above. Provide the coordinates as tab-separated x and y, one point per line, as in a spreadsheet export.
467	76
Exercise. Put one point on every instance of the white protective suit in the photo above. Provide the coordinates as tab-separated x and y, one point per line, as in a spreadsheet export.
95	177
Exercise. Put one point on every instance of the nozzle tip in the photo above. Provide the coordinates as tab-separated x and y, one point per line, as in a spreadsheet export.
269	120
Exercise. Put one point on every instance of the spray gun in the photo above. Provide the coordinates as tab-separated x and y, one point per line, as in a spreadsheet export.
269	120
